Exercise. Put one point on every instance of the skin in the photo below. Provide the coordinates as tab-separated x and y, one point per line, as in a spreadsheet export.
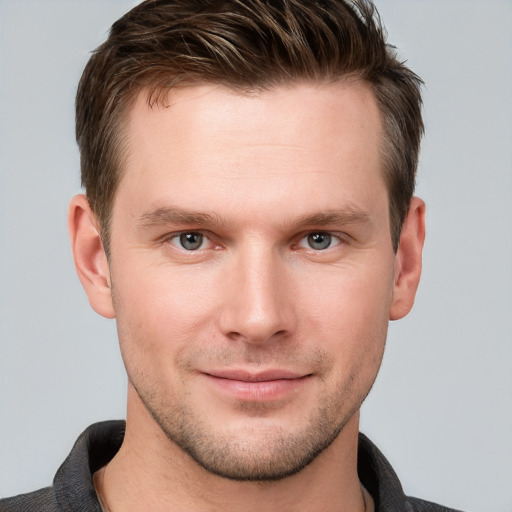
249	354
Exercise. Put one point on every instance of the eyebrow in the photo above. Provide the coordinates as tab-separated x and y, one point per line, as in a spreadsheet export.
346	215
168	215
161	216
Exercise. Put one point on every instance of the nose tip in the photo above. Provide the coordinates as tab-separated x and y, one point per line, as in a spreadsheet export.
257	306
258	328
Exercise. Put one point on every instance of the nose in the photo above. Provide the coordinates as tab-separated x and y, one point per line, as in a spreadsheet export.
258	298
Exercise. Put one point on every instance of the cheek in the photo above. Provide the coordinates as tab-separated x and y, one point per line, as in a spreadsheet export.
159	295
349	315
354	327
355	296
158	313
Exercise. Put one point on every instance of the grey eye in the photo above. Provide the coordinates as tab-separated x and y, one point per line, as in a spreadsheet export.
319	241
191	241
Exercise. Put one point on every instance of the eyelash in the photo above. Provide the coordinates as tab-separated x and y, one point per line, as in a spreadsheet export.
178	237
334	239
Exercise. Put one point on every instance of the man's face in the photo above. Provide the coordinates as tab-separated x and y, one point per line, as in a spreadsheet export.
252	269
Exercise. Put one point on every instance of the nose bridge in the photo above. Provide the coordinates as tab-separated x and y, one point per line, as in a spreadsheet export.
257	307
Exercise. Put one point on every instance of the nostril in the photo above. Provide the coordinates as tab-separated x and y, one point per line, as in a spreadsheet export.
257	337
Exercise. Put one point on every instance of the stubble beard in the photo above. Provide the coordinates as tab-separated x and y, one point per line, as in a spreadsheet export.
263	455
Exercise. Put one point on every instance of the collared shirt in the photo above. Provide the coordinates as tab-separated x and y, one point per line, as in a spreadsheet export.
73	487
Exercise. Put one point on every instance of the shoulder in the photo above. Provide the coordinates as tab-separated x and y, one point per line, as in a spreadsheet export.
73	486
417	505
381	481
37	501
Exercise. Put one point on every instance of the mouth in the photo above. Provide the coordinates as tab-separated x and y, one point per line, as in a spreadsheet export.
258	386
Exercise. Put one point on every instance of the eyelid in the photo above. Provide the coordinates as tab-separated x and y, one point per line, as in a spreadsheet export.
173	239
338	237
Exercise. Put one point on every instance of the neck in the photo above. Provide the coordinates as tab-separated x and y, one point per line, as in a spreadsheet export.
151	473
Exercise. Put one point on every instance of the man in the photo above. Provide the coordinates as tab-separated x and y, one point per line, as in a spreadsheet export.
249	221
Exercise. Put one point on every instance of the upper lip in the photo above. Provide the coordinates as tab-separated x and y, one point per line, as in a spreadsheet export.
247	376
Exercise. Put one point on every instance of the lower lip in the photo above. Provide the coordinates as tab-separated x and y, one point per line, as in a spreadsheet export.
258	391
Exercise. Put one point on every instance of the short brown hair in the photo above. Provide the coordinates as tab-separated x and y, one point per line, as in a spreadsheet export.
247	45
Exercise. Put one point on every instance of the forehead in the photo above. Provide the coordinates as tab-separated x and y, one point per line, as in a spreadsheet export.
210	107
212	141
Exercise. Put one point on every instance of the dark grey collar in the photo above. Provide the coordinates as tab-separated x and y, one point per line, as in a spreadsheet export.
73	488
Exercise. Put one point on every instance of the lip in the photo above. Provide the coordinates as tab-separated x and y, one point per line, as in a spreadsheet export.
263	386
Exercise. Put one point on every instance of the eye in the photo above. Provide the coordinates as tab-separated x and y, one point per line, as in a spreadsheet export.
190	241
319	241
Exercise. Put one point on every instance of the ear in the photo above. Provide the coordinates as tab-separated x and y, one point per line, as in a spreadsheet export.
408	260
90	259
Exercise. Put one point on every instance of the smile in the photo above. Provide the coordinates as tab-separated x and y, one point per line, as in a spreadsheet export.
257	387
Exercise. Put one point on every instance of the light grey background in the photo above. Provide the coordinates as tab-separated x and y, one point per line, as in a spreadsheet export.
441	409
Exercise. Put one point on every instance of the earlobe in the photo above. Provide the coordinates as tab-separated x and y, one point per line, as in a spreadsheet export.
90	260
408	260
